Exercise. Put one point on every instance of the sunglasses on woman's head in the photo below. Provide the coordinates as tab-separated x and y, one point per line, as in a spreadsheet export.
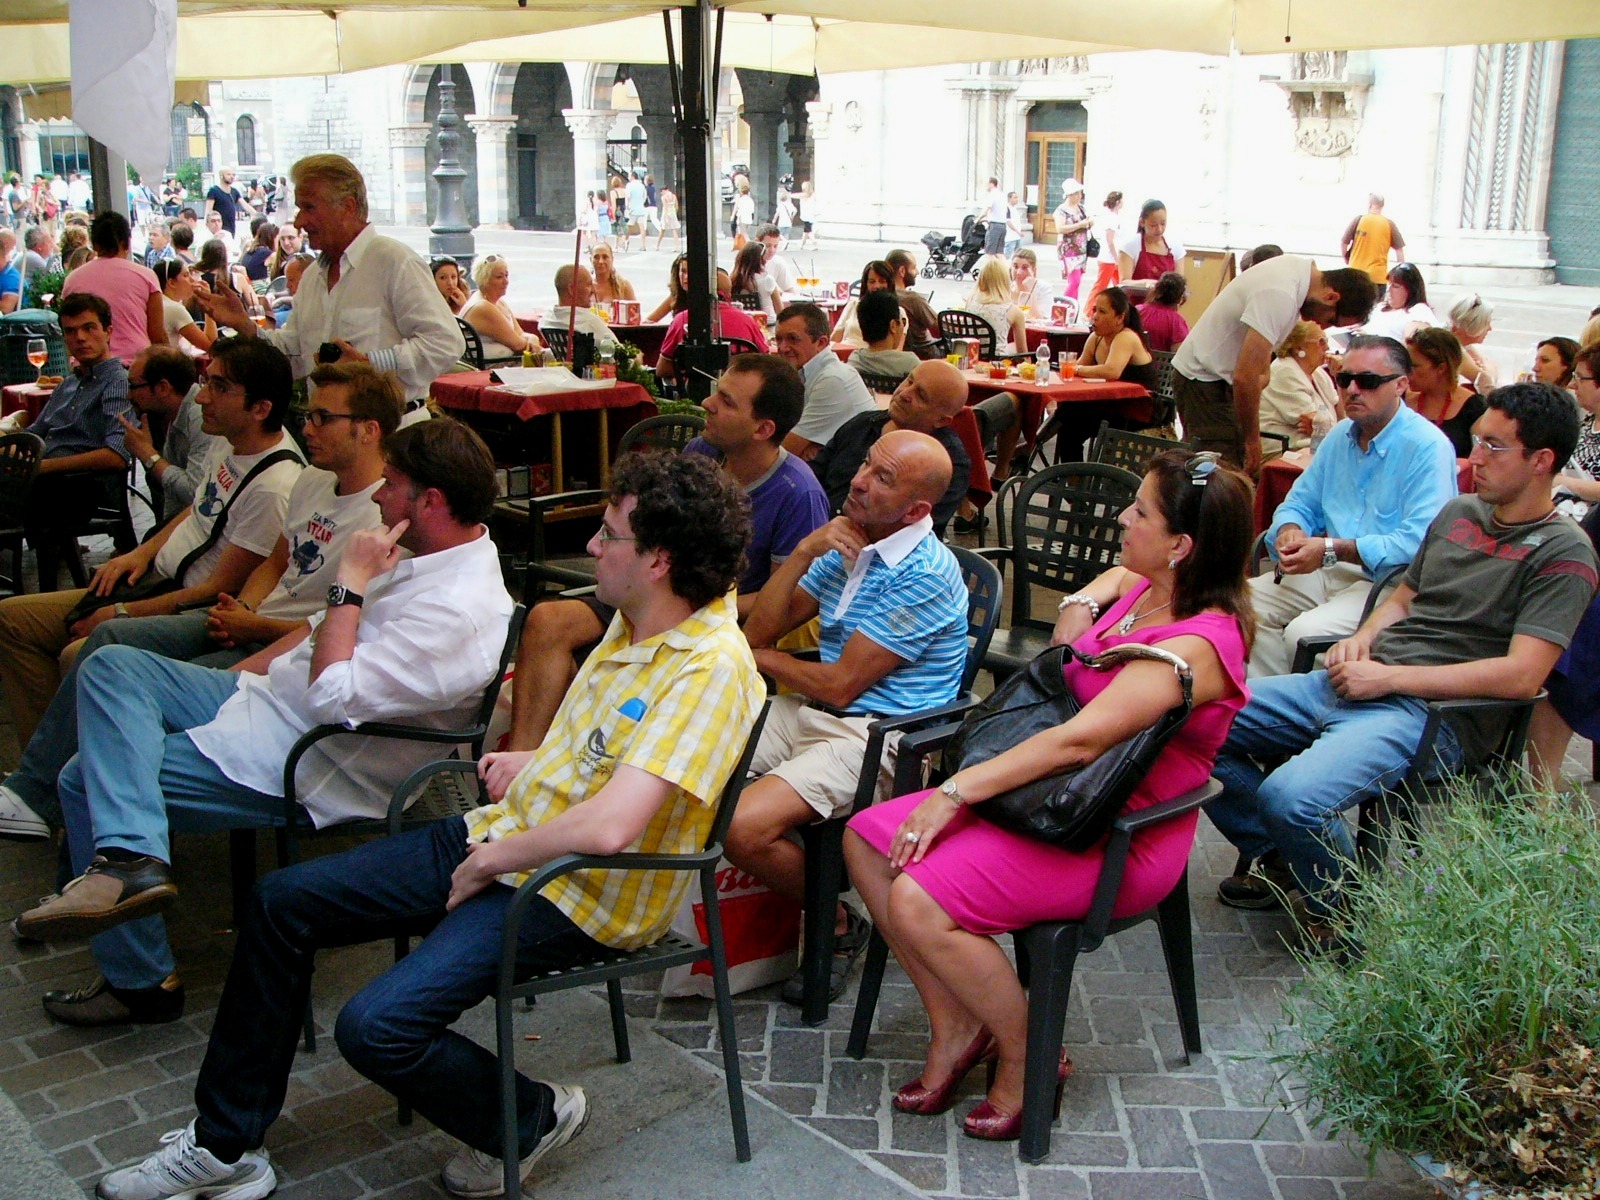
1201	465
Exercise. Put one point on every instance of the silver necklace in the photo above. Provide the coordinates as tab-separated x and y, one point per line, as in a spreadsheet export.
1134	615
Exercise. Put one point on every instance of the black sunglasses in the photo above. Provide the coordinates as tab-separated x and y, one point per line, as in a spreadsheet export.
1367	381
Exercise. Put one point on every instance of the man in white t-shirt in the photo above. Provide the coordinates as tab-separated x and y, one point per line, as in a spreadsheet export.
355	409
994	210
1220	369
780	268
170	746
638	199
575	291
248	386
834	393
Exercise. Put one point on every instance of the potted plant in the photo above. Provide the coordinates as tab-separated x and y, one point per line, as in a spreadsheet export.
1466	1035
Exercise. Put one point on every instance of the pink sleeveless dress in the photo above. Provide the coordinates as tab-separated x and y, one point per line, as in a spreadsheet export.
991	881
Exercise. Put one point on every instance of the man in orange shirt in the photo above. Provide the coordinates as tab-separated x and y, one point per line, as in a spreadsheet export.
1369	238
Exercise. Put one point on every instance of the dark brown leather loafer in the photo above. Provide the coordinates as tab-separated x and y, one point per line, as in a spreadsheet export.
101	1004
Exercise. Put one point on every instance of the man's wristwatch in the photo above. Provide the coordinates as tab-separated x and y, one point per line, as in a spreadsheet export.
339	594
951	792
1330	557
120	610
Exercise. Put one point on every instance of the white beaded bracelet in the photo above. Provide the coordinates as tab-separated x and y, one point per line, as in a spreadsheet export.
1088	602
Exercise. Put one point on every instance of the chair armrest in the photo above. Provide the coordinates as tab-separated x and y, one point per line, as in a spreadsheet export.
1154	814
1306	651
1116	855
573	499
413	783
1484	703
381	729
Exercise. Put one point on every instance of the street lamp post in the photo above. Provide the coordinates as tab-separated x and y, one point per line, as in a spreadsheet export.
450	232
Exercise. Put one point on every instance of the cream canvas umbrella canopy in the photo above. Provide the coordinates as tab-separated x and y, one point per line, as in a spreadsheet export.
259	38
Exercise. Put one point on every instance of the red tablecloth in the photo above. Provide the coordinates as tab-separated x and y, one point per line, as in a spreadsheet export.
16	396
1061	337
472	391
647	336
1278	476
1129	399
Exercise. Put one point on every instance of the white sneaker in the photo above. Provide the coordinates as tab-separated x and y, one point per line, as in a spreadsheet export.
17	821
472	1174
181	1170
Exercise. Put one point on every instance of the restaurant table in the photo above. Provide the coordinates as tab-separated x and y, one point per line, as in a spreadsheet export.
647	336
23	396
1125	400
1278	476
1062	338
475	392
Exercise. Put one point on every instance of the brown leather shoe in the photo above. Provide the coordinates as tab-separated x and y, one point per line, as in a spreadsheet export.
101	1004
105	895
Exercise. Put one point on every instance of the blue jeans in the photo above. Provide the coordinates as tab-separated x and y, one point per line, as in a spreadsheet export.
55	740
137	777
1341	753
396	1030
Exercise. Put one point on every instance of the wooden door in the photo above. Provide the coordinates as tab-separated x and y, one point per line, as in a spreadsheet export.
1052	157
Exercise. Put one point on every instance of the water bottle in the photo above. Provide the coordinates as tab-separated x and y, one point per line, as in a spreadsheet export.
1041	358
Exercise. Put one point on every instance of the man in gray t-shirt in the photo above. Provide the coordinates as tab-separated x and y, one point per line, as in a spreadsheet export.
1487	606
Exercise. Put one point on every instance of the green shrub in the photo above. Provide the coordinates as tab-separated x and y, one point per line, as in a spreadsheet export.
1467	1030
42	284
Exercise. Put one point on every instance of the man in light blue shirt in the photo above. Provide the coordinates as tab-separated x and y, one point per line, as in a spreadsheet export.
834	393
1362	507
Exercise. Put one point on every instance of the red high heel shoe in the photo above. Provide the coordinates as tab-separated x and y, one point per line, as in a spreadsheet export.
988	1122
915	1097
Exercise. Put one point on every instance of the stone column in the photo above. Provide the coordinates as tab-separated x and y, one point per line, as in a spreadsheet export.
764	95
496	179
408	146
28	142
662	155
590	127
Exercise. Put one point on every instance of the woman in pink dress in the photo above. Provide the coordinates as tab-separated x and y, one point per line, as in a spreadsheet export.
941	882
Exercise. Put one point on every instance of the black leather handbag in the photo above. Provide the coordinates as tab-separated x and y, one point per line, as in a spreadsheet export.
1074	809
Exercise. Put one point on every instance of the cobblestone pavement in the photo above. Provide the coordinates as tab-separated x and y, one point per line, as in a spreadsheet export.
1137	1120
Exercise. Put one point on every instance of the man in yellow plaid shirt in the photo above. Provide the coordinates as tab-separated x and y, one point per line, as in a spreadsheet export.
636	759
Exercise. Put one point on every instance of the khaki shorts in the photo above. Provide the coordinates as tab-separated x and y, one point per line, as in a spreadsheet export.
819	754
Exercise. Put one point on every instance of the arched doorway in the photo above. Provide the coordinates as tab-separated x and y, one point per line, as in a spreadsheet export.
465	103
1058	140
542	163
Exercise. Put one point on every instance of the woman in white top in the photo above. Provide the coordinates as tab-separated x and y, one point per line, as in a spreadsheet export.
751	279
877	276
1107	230
488	312
1471	320
991	300
805	208
1300	398
177	290
1404	308
1028	291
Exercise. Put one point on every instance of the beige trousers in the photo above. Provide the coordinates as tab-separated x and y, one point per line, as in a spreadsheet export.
1325	603
35	652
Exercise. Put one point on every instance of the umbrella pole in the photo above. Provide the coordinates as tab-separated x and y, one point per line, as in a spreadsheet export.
572	309
698	359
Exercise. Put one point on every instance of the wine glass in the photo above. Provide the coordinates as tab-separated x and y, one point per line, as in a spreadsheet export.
38	355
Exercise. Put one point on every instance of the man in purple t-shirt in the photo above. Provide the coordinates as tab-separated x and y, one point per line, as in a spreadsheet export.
757	401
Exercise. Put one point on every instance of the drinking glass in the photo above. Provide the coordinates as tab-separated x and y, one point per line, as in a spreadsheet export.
38	355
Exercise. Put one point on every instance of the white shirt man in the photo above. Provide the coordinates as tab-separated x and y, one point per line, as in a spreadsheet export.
575	290
834	393
370	296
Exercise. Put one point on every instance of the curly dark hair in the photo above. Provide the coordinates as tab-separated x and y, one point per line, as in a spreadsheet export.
692	509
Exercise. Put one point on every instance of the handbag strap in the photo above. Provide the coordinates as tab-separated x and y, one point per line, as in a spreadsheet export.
1128	652
217	526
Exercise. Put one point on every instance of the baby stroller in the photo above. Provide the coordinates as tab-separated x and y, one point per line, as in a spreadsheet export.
950	259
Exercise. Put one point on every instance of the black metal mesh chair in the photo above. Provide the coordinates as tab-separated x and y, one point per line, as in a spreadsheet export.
475	353
748	301
556	339
1130	451
19	464
1064	533
957	323
612	966
883	385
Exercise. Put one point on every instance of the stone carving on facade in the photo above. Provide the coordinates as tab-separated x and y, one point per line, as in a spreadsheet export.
1326	100
1513	99
1065	64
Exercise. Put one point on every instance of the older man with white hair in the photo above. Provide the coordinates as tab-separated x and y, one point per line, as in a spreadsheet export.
387	312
